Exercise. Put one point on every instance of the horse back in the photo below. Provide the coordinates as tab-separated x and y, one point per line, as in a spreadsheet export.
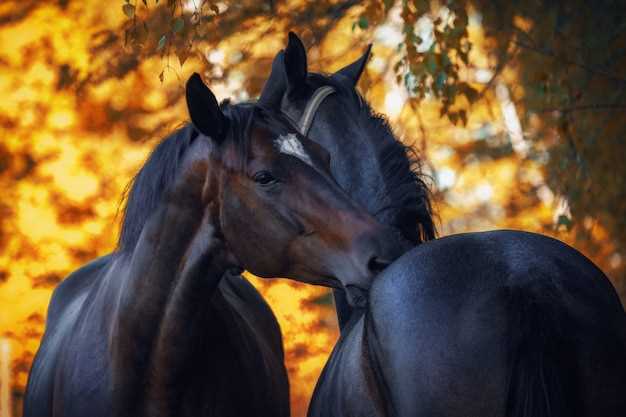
472	324
63	311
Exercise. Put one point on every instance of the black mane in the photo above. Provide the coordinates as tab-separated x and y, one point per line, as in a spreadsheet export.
146	189
144	193
401	170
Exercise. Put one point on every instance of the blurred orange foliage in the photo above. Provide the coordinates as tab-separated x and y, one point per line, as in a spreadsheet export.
79	113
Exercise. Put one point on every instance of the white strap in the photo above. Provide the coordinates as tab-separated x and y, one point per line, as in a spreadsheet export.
311	108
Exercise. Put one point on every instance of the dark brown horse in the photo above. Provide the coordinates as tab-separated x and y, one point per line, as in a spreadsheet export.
165	326
502	323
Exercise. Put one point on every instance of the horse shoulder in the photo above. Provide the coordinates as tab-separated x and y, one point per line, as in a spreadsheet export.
65	303
72	286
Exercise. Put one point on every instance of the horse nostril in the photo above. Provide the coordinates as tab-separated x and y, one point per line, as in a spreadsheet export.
376	264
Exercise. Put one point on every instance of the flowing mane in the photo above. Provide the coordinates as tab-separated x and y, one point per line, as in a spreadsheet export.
406	185
401	168
146	189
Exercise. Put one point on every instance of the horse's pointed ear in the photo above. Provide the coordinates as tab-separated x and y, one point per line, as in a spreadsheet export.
295	64
276	84
353	71
204	109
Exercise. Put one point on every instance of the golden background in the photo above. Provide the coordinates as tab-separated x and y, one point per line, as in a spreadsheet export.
79	114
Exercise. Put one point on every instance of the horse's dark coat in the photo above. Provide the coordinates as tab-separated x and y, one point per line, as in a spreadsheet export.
374	168
500	323
161	328
234	363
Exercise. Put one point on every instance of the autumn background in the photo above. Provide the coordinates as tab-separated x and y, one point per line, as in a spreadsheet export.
517	110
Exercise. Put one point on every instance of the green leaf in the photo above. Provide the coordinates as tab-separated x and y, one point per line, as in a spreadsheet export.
178	25
445	60
431	63
363	23
419	69
440	82
409	81
162	42
563	220
129	10
422	6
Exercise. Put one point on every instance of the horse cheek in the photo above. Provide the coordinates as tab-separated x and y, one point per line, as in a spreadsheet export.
251	234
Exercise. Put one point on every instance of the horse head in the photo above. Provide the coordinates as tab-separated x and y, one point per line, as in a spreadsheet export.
376	169
277	207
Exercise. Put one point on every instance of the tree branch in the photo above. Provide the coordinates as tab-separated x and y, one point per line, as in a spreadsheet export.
552	54
584	107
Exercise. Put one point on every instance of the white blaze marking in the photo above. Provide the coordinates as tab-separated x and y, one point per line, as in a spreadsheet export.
290	145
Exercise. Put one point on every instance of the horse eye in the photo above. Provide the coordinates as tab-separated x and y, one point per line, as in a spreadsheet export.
264	178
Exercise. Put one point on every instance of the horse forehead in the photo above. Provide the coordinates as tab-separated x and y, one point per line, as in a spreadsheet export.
289	144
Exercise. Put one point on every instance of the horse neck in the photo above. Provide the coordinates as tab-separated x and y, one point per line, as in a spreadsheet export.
174	267
375	171
372	165
166	343
183	328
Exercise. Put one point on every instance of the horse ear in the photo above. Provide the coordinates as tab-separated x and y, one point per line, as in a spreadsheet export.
275	85
295	64
204	109
353	71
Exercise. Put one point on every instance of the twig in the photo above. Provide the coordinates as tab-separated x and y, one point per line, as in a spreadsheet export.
584	107
551	53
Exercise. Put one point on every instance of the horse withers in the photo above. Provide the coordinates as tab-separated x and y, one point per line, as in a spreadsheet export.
165	325
502	323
